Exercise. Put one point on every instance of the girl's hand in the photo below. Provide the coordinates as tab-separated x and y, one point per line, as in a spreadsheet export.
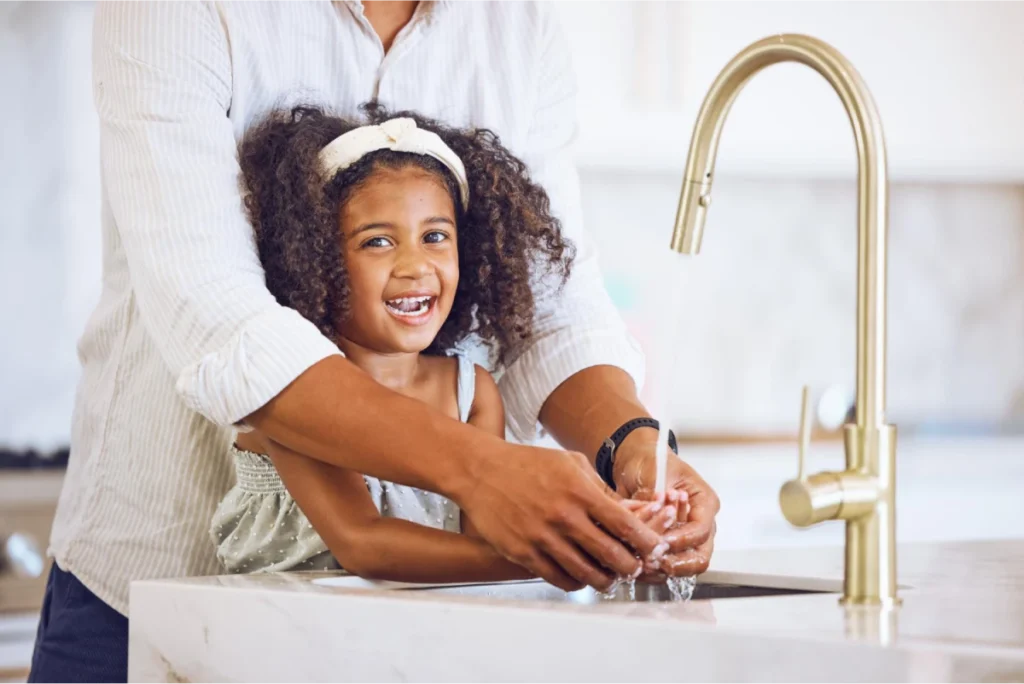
692	540
660	512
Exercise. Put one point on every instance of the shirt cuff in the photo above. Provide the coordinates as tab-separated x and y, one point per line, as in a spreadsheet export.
259	361
528	382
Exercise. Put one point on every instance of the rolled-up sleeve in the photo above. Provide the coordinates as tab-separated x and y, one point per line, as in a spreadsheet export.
579	327
162	83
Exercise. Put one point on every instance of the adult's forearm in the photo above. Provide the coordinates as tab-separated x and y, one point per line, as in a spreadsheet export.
541	509
588	407
336	413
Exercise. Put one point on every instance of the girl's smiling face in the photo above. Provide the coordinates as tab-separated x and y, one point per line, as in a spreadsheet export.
399	243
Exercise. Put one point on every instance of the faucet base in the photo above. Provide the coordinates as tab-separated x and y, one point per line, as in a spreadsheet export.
870	602
871	535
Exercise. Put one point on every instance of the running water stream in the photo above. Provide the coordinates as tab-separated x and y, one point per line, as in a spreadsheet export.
662	355
662	358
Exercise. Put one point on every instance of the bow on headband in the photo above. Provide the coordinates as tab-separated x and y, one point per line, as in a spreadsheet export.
400	135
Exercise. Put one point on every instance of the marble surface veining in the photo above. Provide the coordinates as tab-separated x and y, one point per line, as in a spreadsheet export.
962	619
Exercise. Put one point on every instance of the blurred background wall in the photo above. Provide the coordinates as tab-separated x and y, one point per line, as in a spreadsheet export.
768	305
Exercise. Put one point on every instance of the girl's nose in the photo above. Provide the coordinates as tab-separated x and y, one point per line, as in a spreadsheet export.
412	263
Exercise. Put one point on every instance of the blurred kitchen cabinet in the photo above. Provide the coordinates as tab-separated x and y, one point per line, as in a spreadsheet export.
28	504
946	76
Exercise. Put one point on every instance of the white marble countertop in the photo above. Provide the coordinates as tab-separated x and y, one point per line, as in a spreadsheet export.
962	619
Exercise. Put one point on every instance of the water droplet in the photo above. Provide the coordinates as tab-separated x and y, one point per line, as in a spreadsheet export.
609	594
681	588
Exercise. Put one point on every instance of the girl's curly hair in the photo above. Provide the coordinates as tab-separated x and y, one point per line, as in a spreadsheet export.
506	238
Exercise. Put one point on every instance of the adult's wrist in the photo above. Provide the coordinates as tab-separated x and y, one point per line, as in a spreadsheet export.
638	445
484	460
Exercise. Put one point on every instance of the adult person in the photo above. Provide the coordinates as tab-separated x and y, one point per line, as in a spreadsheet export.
186	343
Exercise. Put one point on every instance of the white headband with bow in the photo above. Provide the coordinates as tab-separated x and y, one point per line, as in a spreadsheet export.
400	135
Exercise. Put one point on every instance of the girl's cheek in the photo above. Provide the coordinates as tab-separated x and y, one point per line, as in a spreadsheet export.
453	269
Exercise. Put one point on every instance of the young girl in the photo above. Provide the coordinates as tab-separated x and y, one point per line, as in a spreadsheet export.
400	239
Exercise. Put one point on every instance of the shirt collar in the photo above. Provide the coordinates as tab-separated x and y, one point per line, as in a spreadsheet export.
432	8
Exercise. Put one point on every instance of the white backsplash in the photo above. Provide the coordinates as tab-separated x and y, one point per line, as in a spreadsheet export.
769	304
770	301
49	216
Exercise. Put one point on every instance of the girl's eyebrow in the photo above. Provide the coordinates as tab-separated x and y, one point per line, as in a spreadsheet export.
384	225
371	226
440	219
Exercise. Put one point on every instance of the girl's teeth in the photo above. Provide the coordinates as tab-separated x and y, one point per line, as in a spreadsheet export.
409	306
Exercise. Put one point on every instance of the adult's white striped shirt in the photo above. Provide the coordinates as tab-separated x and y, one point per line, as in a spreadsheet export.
186	340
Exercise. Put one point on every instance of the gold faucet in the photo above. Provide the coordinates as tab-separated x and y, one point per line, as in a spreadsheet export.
863	495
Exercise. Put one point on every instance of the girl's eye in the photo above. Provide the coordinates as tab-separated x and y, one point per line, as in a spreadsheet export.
434	237
377	242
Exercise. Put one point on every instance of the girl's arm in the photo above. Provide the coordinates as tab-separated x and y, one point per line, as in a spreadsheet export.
374	547
488	414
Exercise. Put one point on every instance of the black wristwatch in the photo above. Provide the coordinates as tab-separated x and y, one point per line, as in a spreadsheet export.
605	461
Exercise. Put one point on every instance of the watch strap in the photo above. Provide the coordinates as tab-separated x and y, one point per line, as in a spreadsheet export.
605	461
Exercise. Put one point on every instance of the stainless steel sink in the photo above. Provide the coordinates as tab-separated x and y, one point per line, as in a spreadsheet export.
537	590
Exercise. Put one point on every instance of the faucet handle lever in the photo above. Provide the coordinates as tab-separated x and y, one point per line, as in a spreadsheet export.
805	435
809	499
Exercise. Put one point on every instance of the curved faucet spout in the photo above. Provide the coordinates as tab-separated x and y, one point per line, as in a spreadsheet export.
872	187
870	444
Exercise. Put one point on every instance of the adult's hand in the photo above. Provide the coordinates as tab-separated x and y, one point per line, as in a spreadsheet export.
548	511
692	540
